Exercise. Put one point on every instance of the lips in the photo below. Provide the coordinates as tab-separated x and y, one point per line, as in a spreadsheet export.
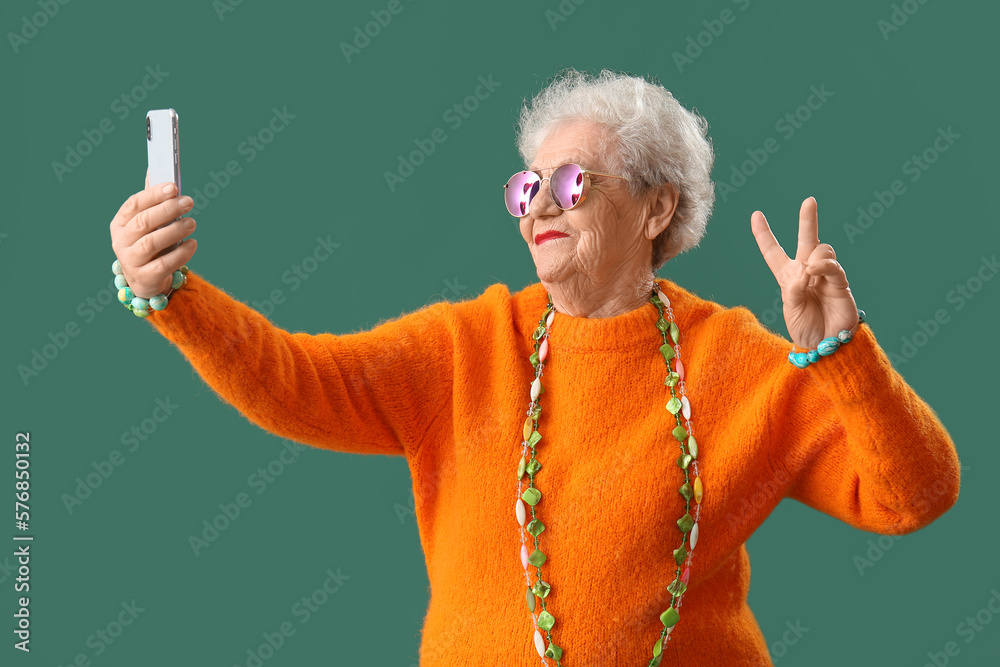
551	234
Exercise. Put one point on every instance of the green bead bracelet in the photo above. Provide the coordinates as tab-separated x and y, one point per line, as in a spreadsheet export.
139	306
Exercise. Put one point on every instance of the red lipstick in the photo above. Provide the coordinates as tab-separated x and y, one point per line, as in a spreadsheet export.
551	234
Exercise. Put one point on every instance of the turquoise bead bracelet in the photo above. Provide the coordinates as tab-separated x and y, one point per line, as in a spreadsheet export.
826	347
139	306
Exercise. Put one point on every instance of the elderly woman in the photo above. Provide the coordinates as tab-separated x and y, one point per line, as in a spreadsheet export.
589	454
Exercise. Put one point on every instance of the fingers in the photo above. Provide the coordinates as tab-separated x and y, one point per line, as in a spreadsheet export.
147	247
173	260
808	229
818	260
147	220
774	255
831	270
822	251
147	224
154	277
796	284
139	202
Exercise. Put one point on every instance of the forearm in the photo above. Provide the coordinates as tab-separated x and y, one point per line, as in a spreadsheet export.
885	462
339	392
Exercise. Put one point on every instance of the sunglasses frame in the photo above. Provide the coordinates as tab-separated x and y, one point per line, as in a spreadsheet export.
587	173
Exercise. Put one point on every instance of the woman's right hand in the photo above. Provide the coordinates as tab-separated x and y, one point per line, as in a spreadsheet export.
137	241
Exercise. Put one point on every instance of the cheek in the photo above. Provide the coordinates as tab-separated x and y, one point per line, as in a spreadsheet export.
597	236
525	229
594	251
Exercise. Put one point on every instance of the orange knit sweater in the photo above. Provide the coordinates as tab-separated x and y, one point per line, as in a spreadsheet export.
447	387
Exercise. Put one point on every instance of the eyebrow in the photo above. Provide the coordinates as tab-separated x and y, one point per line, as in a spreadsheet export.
582	164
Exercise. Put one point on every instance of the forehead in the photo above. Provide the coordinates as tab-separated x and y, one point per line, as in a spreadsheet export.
579	142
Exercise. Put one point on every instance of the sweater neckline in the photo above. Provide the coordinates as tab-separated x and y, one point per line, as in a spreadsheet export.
637	327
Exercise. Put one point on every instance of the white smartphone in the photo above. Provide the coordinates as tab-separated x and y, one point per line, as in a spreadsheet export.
163	150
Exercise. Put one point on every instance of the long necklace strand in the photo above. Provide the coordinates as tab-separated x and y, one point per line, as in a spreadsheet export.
683	433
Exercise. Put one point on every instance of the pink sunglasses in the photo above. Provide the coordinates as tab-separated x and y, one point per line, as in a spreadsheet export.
568	186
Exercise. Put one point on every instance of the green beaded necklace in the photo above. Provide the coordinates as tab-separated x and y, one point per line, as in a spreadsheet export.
679	407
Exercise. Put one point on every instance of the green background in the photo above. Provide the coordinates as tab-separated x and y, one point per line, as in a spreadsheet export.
443	233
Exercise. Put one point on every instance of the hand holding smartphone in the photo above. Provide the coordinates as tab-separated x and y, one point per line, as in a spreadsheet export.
149	227
163	152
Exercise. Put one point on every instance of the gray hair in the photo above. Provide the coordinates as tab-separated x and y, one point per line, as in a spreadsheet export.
657	141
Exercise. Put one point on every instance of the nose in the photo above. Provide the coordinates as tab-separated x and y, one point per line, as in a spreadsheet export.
542	205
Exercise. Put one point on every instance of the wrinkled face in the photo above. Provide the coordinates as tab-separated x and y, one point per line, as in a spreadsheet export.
603	234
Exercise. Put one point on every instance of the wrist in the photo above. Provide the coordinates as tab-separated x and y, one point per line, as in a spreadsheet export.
826	347
143	306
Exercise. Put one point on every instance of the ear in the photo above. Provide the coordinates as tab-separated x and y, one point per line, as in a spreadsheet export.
661	206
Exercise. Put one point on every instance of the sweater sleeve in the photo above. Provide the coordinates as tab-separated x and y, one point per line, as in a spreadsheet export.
854	439
374	392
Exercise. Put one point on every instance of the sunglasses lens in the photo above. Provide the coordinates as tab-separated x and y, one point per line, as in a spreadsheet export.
567	186
521	189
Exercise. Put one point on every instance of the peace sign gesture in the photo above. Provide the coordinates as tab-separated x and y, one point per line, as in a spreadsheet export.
816	299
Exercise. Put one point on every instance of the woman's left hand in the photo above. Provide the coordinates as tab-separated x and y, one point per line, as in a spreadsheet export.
816	299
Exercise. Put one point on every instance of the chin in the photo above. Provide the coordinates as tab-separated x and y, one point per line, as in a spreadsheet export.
552	271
